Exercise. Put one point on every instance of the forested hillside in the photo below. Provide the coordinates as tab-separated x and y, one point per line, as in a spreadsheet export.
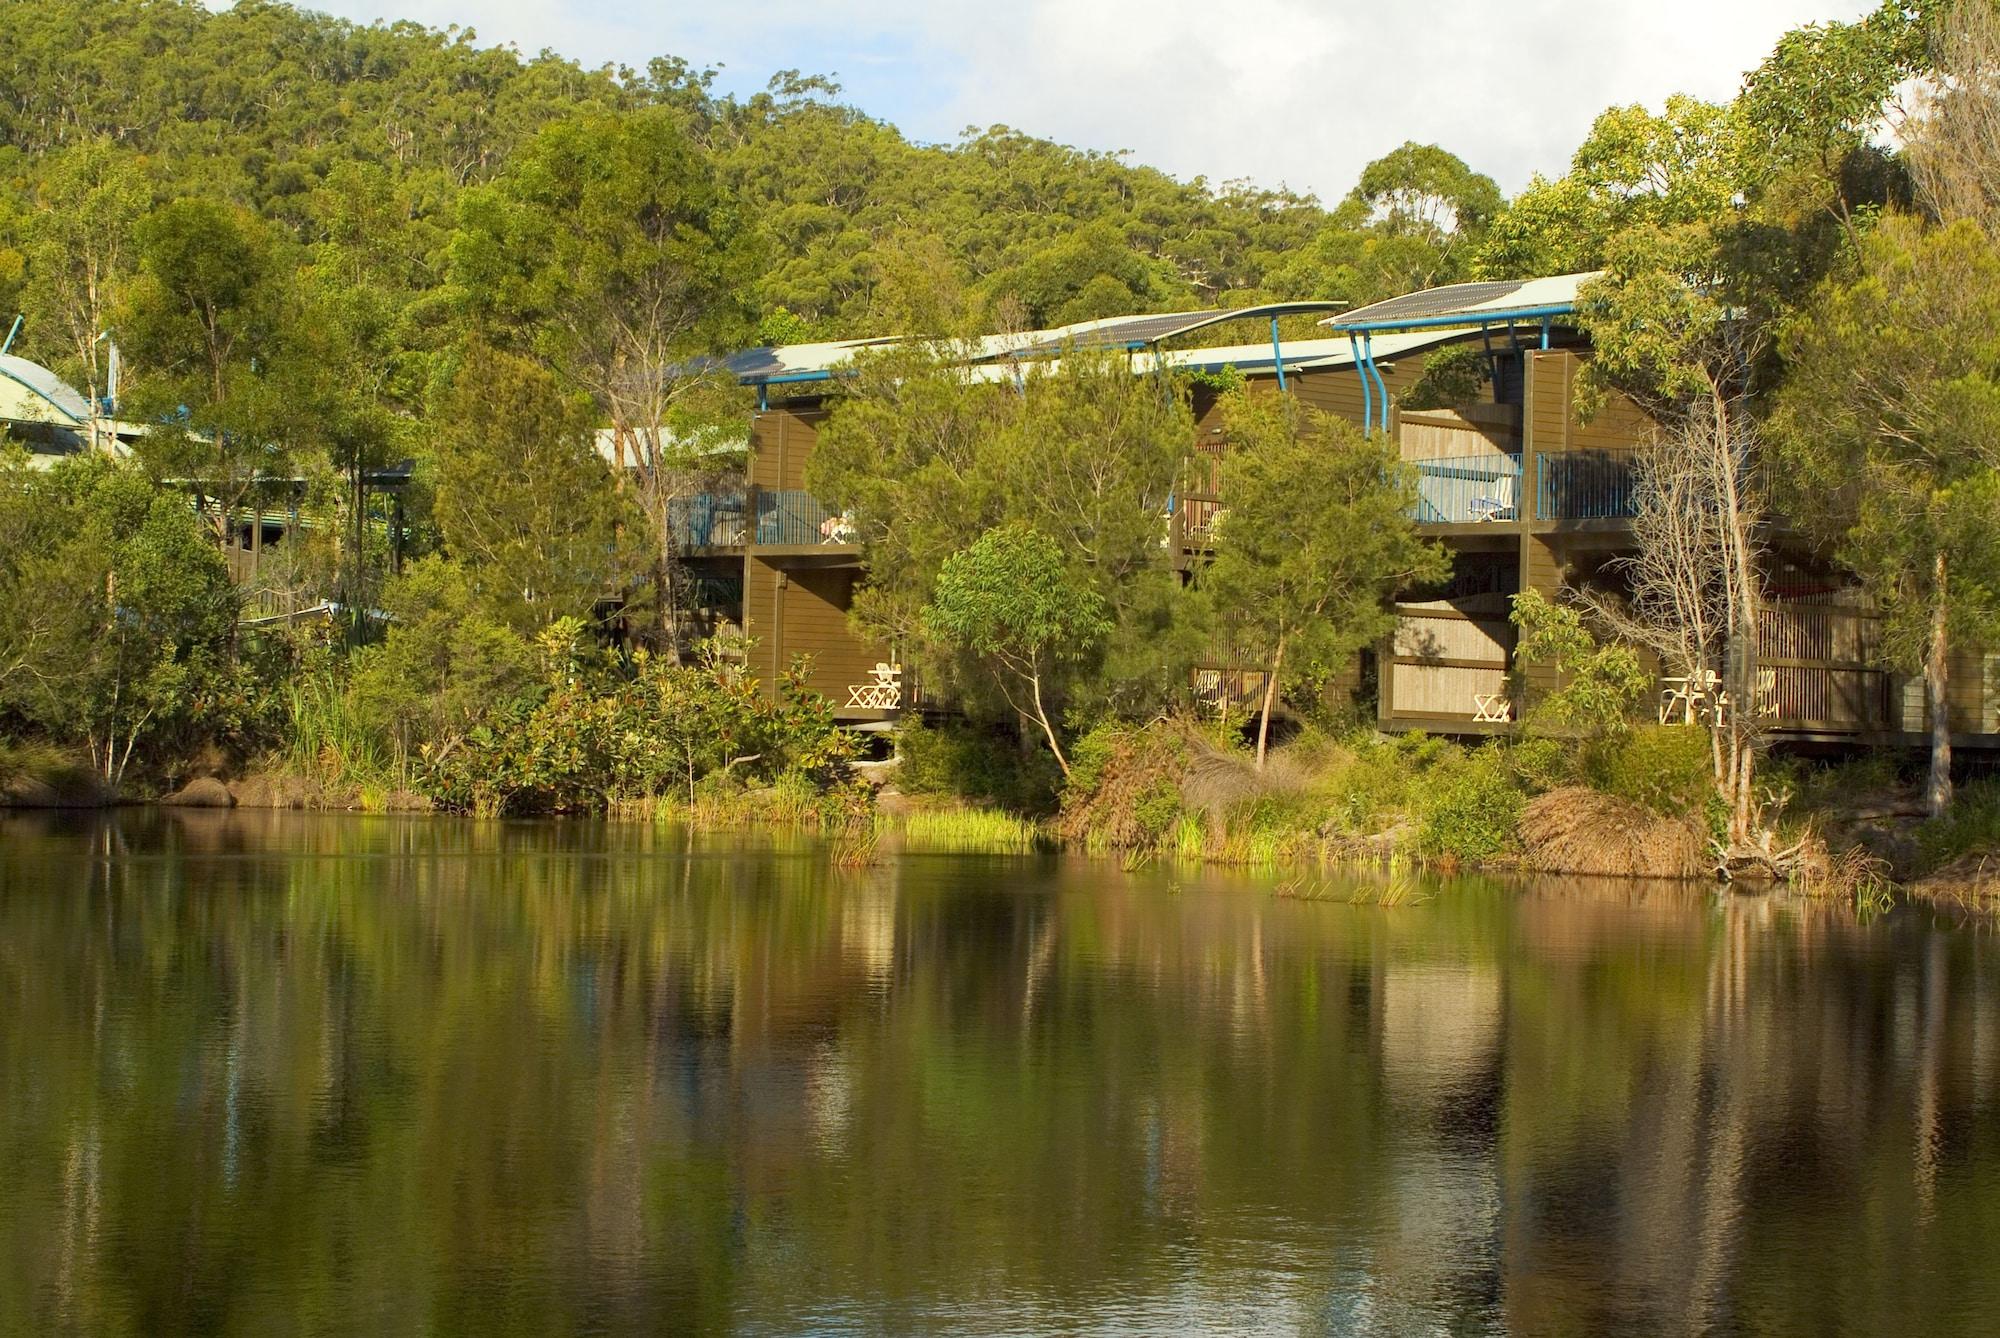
305	118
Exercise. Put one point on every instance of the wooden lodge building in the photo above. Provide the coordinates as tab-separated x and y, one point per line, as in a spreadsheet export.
1524	493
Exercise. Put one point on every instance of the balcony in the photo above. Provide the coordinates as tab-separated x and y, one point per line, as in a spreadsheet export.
1468	489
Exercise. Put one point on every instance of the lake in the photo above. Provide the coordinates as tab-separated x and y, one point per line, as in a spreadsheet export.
272	1073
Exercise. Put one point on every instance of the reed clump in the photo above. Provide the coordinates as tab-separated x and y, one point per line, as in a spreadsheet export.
1582	831
1854	874
963	831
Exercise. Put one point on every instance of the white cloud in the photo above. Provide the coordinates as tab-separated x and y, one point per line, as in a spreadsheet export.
1303	92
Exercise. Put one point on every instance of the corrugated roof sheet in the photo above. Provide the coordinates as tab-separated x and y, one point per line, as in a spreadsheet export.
768	364
47	385
1467	303
808	362
1141	331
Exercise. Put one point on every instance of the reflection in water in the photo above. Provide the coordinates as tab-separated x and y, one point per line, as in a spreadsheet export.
264	1073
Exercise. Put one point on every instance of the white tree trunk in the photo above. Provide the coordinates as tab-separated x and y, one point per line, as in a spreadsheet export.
1937	681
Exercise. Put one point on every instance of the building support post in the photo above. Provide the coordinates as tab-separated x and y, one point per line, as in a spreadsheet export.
1360	370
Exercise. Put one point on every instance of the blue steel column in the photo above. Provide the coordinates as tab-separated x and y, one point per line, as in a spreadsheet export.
1277	354
1354	346
1381	386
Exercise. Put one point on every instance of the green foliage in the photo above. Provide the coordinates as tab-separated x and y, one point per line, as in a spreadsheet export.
1667	768
445	664
524	502
1010	601
328	738
1888	428
1601	681
1470	812
1970	825
1542	763
964	761
1317	538
925	463
1008	596
1125	792
603	732
79	248
117	618
1453	376
205	324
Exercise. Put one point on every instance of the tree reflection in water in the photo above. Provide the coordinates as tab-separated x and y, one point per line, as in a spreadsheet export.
265	1073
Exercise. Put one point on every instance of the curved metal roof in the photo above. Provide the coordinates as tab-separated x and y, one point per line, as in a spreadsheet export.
1133	332
46	385
1484	303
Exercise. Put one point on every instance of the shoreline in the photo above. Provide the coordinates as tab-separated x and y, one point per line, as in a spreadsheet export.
921	827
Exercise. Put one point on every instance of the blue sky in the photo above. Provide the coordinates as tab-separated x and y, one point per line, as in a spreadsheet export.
1294	92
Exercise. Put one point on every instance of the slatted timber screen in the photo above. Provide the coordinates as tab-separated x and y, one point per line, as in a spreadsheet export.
1819	668
1444	657
1445	434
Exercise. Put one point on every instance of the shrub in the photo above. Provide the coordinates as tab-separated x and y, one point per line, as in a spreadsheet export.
964	762
606	732
1157	808
1972	823
1377	779
1667	768
1542	764
1469	810
1136	793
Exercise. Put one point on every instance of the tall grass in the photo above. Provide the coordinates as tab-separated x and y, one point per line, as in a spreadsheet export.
328	740
964	831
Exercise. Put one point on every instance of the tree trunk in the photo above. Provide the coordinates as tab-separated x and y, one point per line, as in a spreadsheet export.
1270	697
1042	718
1937	679
1743	602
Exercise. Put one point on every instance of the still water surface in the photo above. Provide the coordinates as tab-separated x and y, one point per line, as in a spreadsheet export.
275	1073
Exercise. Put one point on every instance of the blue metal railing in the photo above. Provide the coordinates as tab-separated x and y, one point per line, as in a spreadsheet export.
1587	485
706	520
798	518
1463	489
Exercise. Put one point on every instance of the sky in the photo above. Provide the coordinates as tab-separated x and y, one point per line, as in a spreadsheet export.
1298	93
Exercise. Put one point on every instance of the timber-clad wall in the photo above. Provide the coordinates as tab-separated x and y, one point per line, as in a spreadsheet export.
781	437
1552	425
1338	390
792	611
1447	652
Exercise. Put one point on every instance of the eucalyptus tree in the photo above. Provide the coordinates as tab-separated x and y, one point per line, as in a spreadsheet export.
1889	434
1317	538
524	501
1010	601
610	251
205	323
80	249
